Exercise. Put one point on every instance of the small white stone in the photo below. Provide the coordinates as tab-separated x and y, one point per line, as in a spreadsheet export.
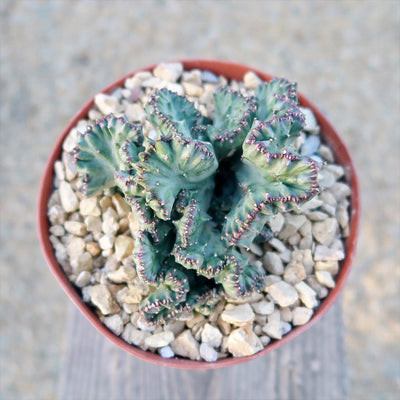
340	190
242	344
134	336
265	340
114	323
88	206
129	295
294	272
337	170
83	262
277	244
59	170
166	352
75	247
107	104
135	112
301	315
283	293
56	214
273	263
137	79
276	222
124	246
75	227
310	122
207	353
286	314
122	207
193	76
161	339
70	141
251	80
324	253
273	329
285	327
175	326
106	242
292	224
68	199
239	315
326	153
101	297
312	204
123	274
145	326
263	307
186	345
256	249
168	71
325	231
192	90
325	278
83	279
110	224
57	230
331	266
317	216
307	295
211	335
326	179
93	224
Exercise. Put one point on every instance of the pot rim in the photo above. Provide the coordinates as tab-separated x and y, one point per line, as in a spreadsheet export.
230	70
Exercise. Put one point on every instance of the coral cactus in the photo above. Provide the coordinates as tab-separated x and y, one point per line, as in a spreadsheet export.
201	189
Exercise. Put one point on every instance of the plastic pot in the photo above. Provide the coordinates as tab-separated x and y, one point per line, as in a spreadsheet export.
231	71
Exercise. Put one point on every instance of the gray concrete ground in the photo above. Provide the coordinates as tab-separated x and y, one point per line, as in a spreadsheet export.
56	54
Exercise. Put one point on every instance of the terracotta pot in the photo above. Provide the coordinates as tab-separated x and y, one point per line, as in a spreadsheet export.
231	71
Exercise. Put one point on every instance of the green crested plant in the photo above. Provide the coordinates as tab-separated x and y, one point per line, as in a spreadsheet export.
201	189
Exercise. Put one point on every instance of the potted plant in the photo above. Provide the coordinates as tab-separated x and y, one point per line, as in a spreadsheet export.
188	219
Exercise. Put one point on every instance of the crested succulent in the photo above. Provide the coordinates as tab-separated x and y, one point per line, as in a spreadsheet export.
201	189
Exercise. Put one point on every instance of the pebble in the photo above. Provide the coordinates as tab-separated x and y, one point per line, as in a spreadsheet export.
75	247
110	224
311	204
337	170
325	231
93	224
70	141
286	314
122	207
273	329
57	230
114	323
70	167
241	343
320	289
256	249
207	353
331	266
326	153
93	248
106	242
211	335
251	80
101	297
294	272
305	257
292	224
83	262
169	72
124	246
277	244
285	327
166	352
134	336
107	104
276	222
326	179
325	278
340	190
160	339
324	253
186	345
240	315
59	170
263	307
129	295
193	76
75	227
310	120
135	113
310	146
209	77
83	279
68	199
316	216
283	293
123	274
88	206
56	214
307	295
225	327
273	263
192	89
301	315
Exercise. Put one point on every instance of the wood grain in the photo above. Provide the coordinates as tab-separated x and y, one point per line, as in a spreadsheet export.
312	366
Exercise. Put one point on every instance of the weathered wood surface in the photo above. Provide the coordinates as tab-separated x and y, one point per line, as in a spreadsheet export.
312	366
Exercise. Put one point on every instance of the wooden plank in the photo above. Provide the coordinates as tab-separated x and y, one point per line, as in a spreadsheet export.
312	366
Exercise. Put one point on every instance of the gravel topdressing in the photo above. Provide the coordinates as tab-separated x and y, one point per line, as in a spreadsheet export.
93	239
